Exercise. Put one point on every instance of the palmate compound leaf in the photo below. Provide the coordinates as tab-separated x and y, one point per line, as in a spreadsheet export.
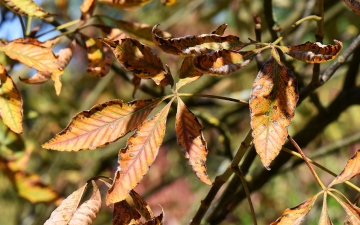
354	5
140	204
26	8
296	215
313	52
190	138
11	110
138	155
196	44
124	214
102	124
125	4
272	105
351	170
352	211
140	60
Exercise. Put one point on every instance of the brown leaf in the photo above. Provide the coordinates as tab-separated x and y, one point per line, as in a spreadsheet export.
99	57
351	170
139	154
124	214
296	215
125	4
272	105
313	52
64	55
140	204
223	62
11	104
158	220
324	217
190	138
195	45
352	211
136	82
102	124
112	33
87	8
88	210
63	214
26	8
141	60
354	5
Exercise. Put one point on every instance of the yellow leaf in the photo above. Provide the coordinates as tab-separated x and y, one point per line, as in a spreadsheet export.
26	7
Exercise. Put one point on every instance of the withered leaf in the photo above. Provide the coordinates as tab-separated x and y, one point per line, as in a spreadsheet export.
140	60
352	211
11	110
354	5
136	82
102	124
141	205
124	214
324	217
296	215
138	155
87	8
26	8
158	220
124	4
112	33
313	52
194	45
272	106
351	170
190	138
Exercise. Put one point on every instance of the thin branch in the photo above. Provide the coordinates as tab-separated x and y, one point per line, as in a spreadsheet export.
22	25
269	18
350	78
213	96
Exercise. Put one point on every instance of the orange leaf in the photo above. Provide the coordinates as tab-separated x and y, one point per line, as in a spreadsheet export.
87	8
313	52
324	217
168	2
223	62
124	4
11	103
272	105
191	140
102	124
141	205
351	170
194	45
124	214
296	215
63	214
139	154
354	5
141	60
352	211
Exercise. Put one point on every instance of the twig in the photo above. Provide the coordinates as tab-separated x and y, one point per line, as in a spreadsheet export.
213	96
258	57
22	25
28	26
304	28
267	6
350	78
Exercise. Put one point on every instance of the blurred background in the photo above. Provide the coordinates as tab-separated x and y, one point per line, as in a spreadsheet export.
29	196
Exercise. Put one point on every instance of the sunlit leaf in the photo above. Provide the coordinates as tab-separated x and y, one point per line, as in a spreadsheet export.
272	105
88	210
65	211
193	45
139	154
87	8
168	2
352	211
124	4
296	215
140	60
354	5
26	8
351	170
140	204
124	214
102	124
11	111
223	62
99	57
191	140
313	52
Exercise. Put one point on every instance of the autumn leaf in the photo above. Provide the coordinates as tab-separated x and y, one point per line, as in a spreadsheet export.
102	124
138	155
313	52
158	220
136	82
140	204
190	138
351	170
168	2
354	5
112	33
194	45
324	217
140	60
352	211
124	214
11	104
125	4
87	8
296	215
26	8
223	62
99	57
272	105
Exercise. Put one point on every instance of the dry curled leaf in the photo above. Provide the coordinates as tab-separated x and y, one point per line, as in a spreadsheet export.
313	52
140	60
138	155
354	5
158	220
125	4
272	105
190	138
140	204
194	45
26	8
102	124
124	214
351	170
11	104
